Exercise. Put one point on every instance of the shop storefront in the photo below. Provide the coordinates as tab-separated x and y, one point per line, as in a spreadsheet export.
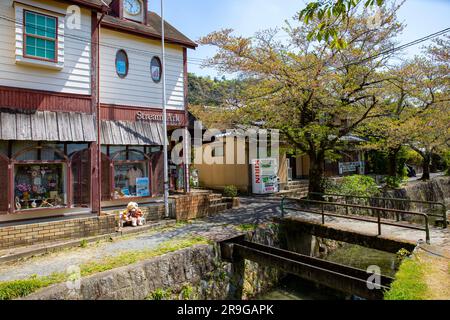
44	178
132	162
130	173
48	164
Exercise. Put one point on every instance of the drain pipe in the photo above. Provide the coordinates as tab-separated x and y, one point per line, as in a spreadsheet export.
105	10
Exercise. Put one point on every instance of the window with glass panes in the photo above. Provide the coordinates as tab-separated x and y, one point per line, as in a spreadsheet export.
40	35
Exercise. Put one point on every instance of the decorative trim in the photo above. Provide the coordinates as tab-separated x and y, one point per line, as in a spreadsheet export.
147	35
127	113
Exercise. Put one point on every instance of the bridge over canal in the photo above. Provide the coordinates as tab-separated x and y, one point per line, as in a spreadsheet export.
376	227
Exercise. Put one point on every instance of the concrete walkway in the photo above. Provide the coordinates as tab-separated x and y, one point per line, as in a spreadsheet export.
252	211
214	228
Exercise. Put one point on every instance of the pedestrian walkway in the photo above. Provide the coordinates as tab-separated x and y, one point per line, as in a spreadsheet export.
215	228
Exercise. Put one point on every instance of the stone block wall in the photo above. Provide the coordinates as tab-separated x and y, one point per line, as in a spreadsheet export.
191	206
37	233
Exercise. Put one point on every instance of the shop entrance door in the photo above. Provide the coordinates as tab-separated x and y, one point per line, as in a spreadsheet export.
81	178
5	182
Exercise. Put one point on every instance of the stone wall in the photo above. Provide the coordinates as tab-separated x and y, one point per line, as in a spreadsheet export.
195	273
37	233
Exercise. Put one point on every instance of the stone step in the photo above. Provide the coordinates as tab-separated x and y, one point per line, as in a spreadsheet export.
217	208
297	188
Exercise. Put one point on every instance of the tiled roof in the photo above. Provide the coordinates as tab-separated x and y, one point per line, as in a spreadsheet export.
153	29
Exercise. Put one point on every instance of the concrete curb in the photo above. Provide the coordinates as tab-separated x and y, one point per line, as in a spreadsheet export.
50	248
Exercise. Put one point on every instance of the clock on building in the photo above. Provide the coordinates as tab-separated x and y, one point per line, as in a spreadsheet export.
133	7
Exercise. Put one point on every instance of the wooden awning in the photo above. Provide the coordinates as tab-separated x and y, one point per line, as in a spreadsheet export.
48	126
139	133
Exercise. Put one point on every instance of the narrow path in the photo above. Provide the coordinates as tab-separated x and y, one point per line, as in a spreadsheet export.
214	228
252	211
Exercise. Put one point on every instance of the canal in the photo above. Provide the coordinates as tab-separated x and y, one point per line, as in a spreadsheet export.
294	288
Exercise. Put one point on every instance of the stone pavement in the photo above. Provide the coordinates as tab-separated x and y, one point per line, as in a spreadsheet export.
214	228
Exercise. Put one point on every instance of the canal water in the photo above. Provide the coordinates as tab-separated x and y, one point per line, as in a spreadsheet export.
294	288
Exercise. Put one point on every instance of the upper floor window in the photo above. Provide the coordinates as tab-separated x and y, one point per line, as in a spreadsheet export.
121	63
40	36
156	69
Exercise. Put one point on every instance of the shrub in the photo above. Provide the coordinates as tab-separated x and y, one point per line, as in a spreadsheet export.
356	185
159	294
393	182
230	191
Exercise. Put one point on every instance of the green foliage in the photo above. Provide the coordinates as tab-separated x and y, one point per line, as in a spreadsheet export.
20	288
187	292
230	191
409	282
247	227
328	13
393	182
446	158
159	294
355	185
204	91
83	243
402	254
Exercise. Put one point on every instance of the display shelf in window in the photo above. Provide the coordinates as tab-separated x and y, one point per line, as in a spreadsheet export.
39	186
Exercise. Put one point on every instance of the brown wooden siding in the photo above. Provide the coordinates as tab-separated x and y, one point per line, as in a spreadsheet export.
125	113
34	100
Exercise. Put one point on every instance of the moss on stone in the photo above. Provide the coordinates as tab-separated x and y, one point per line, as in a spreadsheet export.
20	288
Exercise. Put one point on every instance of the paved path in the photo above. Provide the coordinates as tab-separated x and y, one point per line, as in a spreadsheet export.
214	228
253	211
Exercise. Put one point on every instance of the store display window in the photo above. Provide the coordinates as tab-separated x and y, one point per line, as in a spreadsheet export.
40	186
131	180
131	173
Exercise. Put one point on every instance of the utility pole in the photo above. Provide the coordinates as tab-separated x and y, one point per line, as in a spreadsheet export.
165	142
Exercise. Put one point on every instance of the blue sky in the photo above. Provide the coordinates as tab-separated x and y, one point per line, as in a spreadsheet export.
196	18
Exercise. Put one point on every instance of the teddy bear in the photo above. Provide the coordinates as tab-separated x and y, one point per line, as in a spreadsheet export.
132	216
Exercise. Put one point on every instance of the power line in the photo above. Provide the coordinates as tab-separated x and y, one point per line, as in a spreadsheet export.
201	61
195	61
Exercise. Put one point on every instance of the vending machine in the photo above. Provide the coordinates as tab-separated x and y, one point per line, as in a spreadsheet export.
265	176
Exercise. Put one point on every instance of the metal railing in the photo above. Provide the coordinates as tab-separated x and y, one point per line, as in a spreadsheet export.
379	221
384	201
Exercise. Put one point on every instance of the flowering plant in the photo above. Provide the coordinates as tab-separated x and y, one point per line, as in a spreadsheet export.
23	187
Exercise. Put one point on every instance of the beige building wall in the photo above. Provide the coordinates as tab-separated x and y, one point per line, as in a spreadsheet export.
218	176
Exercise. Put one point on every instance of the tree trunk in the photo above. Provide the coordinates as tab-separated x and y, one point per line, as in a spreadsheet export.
426	163
316	173
392	162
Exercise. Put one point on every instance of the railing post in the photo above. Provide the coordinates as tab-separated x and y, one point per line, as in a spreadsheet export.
323	214
346	202
444	215
282	206
379	222
427	229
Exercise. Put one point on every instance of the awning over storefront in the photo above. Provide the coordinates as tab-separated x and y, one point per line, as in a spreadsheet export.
131	133
48	126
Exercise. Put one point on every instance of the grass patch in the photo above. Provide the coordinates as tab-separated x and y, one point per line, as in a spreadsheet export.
159	294
247	227
20	288
409	282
